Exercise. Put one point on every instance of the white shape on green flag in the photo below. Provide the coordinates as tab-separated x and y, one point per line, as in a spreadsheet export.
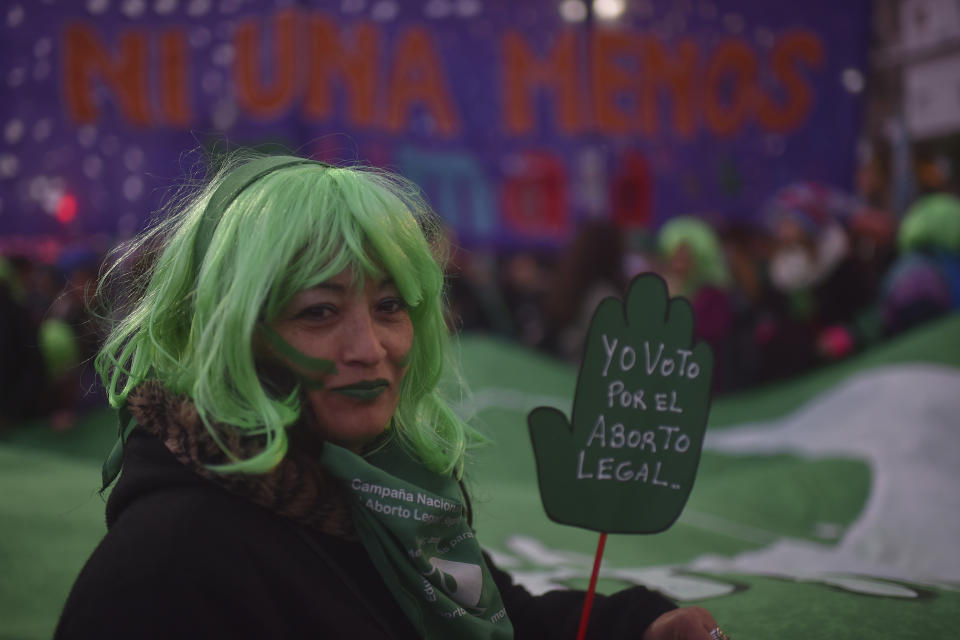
902	421
468	580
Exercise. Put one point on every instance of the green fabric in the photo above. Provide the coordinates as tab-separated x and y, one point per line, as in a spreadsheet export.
413	524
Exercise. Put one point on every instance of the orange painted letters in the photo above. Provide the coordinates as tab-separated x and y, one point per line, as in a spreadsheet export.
417	77
523	73
729	89
676	73
793	47
84	56
613	80
354	66
272	97
174	77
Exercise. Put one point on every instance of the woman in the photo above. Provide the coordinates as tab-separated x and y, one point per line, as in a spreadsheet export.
290	469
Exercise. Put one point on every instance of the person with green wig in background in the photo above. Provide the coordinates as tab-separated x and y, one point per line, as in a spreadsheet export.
695	267
287	466
924	281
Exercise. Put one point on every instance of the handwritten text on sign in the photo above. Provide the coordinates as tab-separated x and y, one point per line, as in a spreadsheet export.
662	438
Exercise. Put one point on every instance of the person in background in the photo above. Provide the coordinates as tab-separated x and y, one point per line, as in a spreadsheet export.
589	271
815	281
694	266
277	382
924	282
522	282
23	370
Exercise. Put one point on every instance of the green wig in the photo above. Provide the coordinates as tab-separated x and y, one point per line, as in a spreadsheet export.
710	267
933	222
225	263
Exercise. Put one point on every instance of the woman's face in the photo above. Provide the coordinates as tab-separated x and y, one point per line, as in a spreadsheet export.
366	334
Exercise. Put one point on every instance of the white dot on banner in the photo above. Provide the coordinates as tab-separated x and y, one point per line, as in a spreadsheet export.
384	11
164	7
133	8
853	80
51	193
42	129
224	115
9	165
42	47
92	167
133	158
15	16
13	132
132	187
97	6
16	77
87	135
198	7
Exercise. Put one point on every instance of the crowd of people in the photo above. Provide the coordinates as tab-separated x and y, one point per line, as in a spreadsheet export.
816	279
48	336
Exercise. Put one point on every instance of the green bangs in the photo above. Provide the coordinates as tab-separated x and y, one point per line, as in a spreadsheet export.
324	220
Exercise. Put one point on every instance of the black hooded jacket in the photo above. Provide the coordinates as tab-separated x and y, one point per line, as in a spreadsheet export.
185	558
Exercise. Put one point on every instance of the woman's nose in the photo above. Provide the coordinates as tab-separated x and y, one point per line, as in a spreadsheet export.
361	342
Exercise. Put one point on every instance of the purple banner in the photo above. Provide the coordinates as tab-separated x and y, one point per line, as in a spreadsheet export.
517	118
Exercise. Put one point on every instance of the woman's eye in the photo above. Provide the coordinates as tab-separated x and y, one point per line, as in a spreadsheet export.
316	311
392	305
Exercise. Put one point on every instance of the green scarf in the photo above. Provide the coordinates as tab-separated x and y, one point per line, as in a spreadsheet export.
413	524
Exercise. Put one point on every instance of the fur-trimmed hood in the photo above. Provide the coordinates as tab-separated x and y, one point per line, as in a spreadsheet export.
298	488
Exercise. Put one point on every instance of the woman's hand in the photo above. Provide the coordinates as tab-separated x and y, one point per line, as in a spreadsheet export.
686	623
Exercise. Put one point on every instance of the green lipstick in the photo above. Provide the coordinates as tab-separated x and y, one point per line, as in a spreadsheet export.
367	390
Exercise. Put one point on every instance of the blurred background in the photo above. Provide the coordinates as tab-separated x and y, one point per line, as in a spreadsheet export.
790	168
763	159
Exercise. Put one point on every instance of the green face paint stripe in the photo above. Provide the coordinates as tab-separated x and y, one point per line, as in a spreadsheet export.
229	189
408	356
302	360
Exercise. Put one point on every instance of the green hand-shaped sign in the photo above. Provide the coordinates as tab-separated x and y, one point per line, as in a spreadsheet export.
627	460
